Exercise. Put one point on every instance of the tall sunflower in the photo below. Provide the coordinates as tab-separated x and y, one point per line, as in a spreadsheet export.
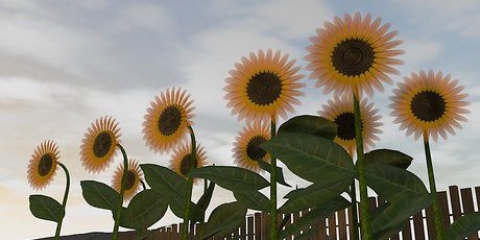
167	120
182	158
247	151
43	165
430	103
353	54
263	86
134	176
99	143
340	111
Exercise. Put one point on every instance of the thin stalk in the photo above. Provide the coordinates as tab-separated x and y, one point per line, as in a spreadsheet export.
353	196
64	202
433	189
122	192
364	208
273	188
188	197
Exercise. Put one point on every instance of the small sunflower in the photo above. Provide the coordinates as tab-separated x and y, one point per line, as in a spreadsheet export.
132	183
429	103
263	86
181	159
99	143
167	120
340	111
353	54
247	151
43	165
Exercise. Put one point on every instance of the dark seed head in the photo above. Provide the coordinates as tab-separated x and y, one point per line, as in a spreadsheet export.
45	165
130	181
428	106
169	120
102	144
346	126
185	165
352	57
264	88
254	151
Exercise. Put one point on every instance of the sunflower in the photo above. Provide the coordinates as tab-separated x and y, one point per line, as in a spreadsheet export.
429	103
43	165
263	86
99	143
340	111
353	54
167	120
132	183
247	151
182	157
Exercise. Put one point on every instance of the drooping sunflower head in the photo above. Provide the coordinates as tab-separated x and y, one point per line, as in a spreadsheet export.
167	120
430	103
133	177
99	143
263	86
340	111
247	151
43	165
181	161
353	54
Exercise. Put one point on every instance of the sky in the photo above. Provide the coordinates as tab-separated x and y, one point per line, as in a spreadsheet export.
64	64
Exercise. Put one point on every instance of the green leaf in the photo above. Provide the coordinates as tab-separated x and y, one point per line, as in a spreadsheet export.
267	167
388	157
178	206
146	208
464	226
313	196
164	180
253	200
312	158
320	211
390	231
198	213
100	195
308	124
399	211
224	219
393	183
46	208
231	178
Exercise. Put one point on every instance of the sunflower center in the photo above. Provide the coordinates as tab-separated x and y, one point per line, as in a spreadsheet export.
45	165
254	151
264	88
352	57
428	106
346	126
185	165
102	144
170	120
130	181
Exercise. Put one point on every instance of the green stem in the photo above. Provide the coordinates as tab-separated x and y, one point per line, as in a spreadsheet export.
433	190
64	202
353	196
122	192
188	197
364	208
273	188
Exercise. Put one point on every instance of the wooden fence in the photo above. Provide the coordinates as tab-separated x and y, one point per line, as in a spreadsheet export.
454	204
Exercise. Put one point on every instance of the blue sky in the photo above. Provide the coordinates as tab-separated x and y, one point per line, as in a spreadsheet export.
66	63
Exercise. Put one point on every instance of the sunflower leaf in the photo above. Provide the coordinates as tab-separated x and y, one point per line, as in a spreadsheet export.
198	213
164	180
308	124
253	200
464	226
317	212
100	195
310	157
224	219
267	167
46	208
145	209
313	196
234	179
390	157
